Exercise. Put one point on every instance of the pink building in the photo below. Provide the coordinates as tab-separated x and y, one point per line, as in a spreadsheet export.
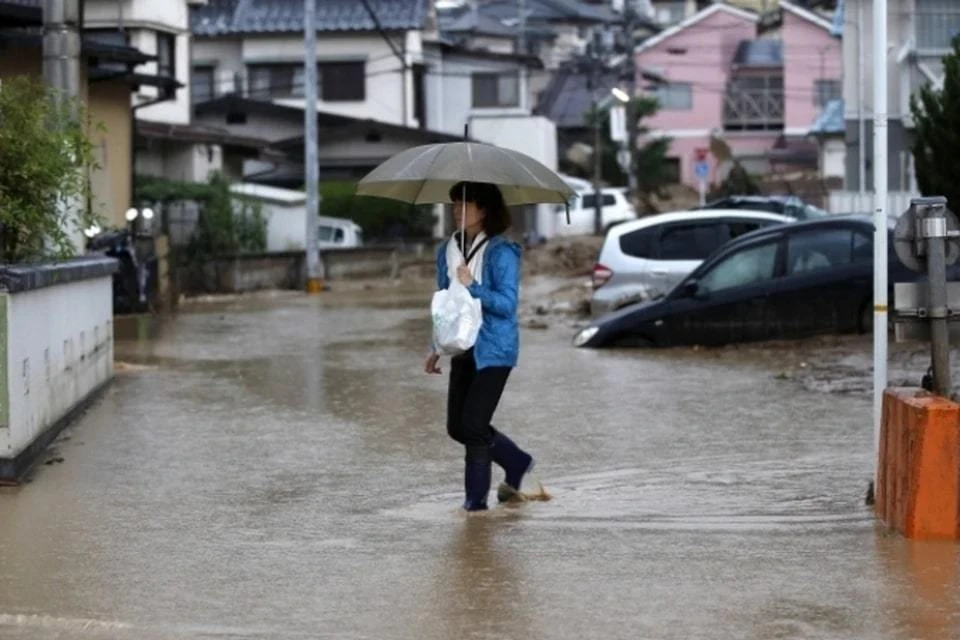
762	93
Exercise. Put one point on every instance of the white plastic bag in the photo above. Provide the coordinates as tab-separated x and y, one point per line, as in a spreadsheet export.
457	315
456	319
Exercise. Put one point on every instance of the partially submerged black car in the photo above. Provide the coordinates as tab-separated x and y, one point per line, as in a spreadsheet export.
788	281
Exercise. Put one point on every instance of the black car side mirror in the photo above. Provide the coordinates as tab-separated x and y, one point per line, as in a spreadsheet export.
691	289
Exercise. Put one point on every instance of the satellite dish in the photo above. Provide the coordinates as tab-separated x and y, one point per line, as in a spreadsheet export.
905	240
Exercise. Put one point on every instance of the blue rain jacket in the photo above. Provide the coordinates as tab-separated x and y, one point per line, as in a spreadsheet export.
498	344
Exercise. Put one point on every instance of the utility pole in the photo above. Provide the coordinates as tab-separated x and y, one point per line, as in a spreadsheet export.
522	10
593	84
61	47
861	96
631	26
597	169
314	281
61	66
880	64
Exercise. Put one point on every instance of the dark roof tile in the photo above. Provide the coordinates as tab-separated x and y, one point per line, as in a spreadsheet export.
567	99
223	17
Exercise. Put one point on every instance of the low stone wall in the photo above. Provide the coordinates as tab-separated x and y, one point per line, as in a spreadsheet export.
56	336
287	270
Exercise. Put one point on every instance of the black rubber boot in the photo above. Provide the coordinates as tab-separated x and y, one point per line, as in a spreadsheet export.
516	463
476	481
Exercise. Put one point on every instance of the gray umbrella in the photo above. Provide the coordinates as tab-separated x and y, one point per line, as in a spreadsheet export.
424	174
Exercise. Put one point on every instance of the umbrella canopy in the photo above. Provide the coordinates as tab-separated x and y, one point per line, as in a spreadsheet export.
424	174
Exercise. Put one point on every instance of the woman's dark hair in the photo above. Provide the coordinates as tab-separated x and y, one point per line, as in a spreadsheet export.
486	196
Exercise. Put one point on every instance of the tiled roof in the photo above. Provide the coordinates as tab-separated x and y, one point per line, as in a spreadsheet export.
567	99
549	11
223	17
477	23
830	121
759	53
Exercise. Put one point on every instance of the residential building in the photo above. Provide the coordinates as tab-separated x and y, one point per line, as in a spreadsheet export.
919	34
110	74
760	95
380	90
670	12
165	142
464	84
828	131
568	101
255	49
554	30
347	147
159	29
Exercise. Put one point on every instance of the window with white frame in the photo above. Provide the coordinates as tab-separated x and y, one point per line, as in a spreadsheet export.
937	23
491	90
676	96
336	81
275	80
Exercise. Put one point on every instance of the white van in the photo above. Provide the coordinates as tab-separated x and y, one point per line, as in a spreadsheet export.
338	233
616	209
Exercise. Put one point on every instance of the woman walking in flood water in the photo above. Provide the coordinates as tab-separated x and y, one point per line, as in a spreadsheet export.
490	269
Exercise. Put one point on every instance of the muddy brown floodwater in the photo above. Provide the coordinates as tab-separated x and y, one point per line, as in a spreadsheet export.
277	468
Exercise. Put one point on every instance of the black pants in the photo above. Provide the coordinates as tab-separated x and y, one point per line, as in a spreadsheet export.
472	399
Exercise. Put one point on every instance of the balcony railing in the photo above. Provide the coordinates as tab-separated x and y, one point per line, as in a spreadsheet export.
754	104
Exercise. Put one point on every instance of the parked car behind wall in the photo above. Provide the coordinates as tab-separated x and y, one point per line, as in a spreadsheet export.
646	258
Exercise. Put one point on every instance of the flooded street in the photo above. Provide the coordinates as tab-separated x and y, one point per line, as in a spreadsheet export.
279	468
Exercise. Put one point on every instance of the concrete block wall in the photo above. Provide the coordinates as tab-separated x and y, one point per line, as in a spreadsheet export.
56	351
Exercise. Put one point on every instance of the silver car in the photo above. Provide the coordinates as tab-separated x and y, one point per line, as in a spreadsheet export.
647	258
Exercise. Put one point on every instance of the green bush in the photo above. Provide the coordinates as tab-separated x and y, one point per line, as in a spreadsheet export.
378	217
937	133
45	160
228	224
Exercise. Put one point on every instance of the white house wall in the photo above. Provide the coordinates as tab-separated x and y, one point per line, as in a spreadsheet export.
143	19
226	58
899	32
384	78
535	136
154	14
450	91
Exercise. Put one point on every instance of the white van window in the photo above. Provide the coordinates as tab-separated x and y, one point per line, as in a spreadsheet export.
324	233
338	235
589	200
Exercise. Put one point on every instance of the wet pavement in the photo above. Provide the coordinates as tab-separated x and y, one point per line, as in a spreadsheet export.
278	468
